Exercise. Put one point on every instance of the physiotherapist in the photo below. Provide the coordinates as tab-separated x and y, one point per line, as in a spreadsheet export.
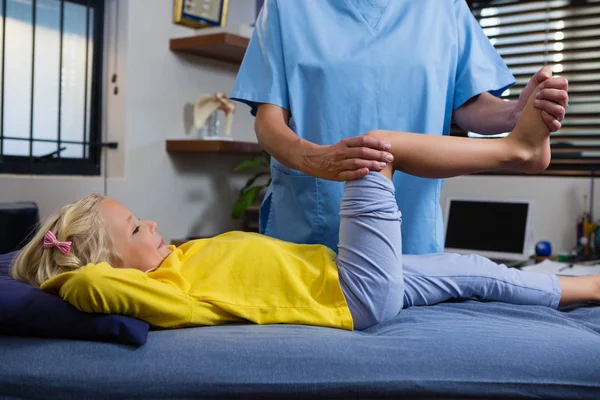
318	74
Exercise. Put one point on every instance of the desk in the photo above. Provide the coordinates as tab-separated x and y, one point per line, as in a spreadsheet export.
561	268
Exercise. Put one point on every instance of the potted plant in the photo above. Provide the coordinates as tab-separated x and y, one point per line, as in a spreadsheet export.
255	186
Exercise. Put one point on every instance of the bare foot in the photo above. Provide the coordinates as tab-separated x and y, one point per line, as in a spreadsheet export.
531	140
579	289
596	283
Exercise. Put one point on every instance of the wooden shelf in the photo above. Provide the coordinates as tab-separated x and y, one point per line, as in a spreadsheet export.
212	146
218	46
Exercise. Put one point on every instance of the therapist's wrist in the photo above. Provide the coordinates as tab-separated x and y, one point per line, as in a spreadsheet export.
305	160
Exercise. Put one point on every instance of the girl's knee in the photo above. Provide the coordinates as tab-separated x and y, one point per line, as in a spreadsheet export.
377	133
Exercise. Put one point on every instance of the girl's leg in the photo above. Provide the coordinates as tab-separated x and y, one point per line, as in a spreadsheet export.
370	260
378	281
526	149
579	289
434	278
370	250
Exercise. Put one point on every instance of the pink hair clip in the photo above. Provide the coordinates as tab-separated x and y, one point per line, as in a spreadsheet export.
51	241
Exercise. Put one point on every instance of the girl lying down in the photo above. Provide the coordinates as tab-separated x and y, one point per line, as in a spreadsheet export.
101	259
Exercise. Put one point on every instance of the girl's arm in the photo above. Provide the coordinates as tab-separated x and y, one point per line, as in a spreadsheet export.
100	288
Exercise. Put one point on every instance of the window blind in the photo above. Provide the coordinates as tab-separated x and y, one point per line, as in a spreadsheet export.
564	35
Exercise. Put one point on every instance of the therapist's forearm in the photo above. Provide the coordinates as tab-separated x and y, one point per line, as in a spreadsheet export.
275	136
350	158
486	115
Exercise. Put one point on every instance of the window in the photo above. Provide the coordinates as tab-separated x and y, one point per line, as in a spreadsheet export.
50	86
564	35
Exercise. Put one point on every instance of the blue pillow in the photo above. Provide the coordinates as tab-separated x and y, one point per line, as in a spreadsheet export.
5	260
27	311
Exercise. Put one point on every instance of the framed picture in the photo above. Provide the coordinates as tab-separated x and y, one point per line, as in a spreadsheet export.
200	13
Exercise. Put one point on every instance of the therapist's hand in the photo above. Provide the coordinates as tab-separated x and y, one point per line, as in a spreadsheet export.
350	158
552	99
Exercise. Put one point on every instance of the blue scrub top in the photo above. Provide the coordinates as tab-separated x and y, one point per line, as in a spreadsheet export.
345	67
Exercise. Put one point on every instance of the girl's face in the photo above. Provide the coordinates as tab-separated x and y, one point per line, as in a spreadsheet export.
137	242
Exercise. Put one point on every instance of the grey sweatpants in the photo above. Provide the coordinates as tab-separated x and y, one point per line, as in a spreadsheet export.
378	281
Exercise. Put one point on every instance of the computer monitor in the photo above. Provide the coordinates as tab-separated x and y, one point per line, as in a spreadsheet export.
497	229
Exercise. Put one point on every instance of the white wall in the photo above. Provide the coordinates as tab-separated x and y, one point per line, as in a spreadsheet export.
187	194
558	201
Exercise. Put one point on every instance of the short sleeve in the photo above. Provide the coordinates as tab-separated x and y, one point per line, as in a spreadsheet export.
480	68
261	77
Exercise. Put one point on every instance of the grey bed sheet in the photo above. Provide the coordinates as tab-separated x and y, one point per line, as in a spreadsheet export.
451	350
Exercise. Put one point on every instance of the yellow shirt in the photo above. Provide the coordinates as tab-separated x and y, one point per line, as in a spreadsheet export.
233	277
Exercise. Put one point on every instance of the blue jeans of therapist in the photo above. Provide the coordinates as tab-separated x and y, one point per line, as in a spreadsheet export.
378	281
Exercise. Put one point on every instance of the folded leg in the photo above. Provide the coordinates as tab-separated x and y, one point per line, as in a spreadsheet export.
370	250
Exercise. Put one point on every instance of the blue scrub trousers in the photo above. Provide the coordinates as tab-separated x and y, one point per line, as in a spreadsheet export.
378	281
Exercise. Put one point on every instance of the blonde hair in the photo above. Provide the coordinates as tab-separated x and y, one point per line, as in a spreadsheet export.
79	223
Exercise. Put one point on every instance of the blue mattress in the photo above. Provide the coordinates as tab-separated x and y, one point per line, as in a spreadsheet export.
451	350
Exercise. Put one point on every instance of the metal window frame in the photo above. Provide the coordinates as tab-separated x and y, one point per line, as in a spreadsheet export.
54	164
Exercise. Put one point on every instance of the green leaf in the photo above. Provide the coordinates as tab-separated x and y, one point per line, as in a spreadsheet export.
248	164
250	192
245	200
266	156
252	180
